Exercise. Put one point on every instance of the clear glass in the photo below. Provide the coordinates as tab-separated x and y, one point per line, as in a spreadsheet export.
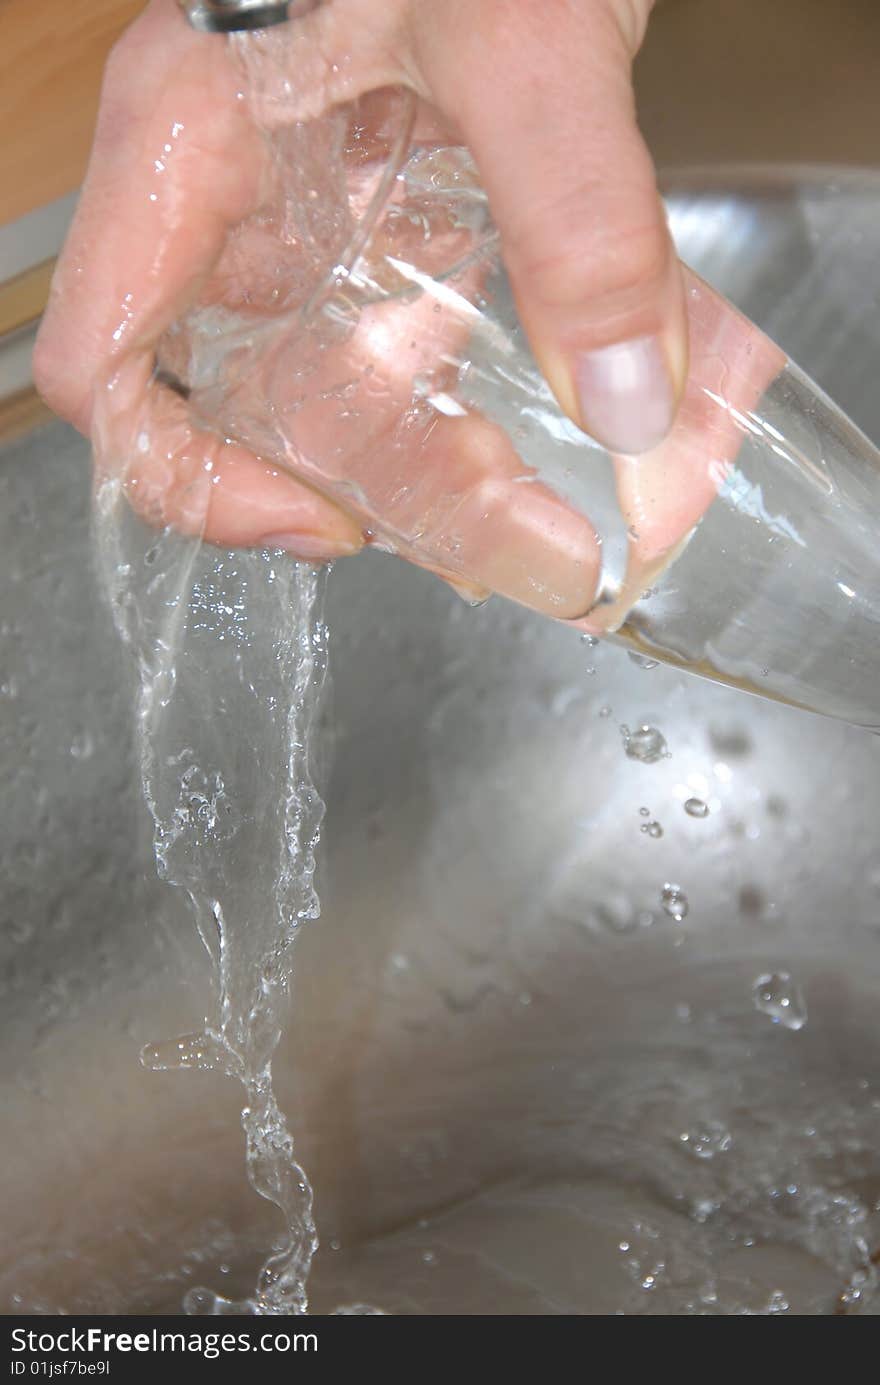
384	364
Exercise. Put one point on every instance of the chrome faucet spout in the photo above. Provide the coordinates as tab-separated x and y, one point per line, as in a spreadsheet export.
228	16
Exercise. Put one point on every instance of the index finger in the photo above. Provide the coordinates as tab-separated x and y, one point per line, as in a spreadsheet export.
176	163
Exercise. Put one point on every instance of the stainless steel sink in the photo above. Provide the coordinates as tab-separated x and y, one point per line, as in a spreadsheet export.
519	1084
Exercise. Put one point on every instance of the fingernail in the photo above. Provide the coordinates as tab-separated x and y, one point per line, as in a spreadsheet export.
311	547
626	394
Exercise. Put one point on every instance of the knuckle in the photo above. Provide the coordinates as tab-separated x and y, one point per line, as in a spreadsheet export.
569	258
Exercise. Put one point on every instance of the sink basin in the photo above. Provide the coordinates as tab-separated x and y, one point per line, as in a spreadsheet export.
520	1081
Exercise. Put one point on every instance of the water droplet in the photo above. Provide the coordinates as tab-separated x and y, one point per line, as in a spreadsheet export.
706	1140
187	1051
641	660
646	744
652	829
82	747
674	901
777	1302
703	1209
589	640
645	812
777	995
202	1303
696	808
614	914
604	711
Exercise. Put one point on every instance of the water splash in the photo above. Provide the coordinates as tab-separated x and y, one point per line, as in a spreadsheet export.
231	655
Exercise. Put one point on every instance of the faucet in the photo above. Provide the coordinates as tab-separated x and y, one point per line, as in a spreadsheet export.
225	16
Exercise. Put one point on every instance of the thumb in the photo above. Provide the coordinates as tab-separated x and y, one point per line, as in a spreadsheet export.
543	94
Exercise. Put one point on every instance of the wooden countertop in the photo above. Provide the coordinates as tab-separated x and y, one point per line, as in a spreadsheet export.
52	53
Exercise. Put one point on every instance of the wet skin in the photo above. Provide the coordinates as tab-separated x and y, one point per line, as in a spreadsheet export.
177	210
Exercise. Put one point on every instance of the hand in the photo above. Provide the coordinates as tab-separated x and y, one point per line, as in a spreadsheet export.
539	89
